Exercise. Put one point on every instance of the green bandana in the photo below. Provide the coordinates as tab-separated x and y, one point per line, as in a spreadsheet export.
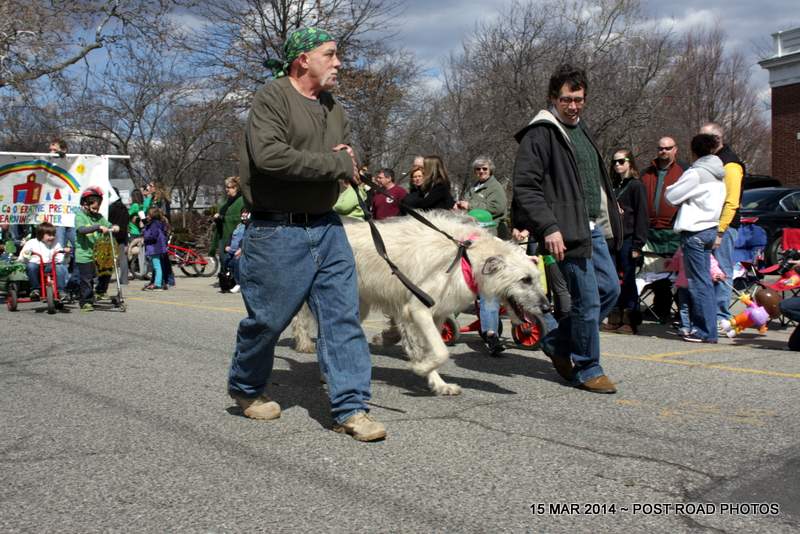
299	41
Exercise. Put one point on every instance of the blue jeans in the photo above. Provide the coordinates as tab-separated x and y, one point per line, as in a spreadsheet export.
684	305
61	275
605	273
66	235
281	267
489	314
722	290
697	261
594	289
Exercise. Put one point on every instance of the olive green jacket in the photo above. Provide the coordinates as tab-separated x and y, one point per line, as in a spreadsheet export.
287	162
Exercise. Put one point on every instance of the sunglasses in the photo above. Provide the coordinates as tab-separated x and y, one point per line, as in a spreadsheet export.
481	168
665	148
620	161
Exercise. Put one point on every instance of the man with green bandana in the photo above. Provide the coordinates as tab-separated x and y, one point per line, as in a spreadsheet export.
296	148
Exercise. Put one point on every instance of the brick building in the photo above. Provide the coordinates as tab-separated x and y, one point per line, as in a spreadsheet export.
784	79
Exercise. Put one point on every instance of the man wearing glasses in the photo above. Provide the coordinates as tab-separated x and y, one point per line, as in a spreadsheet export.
561	196
661	239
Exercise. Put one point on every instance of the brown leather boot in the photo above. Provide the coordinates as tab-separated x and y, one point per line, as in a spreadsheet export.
613	322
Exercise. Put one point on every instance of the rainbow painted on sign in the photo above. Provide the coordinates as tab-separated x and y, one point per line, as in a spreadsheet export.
42	165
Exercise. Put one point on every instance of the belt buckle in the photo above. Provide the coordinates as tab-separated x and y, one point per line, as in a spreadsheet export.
298	218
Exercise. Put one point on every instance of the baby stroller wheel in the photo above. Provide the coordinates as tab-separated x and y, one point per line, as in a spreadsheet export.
450	332
11	297
528	334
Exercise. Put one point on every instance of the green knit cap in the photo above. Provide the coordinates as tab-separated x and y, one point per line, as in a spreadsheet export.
299	41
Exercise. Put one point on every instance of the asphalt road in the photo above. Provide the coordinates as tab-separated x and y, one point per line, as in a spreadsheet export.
115	421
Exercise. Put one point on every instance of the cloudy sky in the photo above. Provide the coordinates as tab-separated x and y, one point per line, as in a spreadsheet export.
434	29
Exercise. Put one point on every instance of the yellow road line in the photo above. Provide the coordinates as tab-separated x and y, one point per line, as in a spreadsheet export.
660	358
664	357
185	305
240	311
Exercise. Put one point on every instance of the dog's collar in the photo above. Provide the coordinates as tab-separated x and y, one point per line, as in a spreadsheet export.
469	276
466	265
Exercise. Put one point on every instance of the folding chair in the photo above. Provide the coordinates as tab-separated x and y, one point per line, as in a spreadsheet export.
788	284
650	274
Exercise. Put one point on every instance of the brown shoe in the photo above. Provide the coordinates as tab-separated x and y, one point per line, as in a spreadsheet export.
362	427
599	384
563	366
262	407
610	327
625	329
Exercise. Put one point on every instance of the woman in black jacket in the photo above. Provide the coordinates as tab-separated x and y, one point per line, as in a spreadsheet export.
632	199
434	193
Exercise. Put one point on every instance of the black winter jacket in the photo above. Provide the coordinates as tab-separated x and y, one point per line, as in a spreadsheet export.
548	195
632	197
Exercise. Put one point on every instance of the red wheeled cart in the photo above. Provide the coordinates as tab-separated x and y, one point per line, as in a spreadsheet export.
526	334
48	285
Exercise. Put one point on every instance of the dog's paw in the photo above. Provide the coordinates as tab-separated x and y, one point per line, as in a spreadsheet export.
447	389
305	346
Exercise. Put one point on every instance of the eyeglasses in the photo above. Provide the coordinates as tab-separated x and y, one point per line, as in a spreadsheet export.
481	168
665	148
578	100
620	161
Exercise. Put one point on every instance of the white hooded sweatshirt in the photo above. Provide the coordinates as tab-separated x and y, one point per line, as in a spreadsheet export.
699	193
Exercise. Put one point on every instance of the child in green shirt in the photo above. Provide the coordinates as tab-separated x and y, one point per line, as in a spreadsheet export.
90	225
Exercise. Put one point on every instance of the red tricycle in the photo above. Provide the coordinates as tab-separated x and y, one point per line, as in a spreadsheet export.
525	334
48	285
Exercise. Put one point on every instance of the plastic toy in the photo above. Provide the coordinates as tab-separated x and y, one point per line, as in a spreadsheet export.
754	316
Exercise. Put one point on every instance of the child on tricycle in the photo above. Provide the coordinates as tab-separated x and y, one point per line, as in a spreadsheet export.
38	254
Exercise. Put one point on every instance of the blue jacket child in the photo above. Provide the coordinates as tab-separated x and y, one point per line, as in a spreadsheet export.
155	247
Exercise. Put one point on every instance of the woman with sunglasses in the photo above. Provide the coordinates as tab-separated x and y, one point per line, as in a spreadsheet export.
632	199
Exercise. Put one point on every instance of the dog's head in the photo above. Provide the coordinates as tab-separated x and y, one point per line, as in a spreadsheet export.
514	278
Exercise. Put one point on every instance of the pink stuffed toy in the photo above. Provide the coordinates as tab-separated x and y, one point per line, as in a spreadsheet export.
754	316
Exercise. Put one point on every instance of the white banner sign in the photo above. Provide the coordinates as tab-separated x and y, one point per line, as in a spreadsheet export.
35	188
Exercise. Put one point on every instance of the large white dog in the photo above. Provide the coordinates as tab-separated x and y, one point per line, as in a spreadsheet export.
500	269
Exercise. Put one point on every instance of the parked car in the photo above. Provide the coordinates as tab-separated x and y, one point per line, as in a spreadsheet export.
755	181
772	208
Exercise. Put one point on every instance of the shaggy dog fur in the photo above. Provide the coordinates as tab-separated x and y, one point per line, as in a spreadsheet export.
501	270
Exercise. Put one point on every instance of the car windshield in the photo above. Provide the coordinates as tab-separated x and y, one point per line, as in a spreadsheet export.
760	199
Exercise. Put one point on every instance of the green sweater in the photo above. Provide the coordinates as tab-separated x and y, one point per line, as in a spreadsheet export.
287	162
588	168
133	226
84	243
348	205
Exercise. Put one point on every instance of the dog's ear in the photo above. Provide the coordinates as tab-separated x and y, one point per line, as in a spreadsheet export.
493	265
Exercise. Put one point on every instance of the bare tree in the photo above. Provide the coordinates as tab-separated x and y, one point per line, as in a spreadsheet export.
38	38
237	36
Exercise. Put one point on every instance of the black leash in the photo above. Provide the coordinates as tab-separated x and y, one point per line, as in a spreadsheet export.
462	245
381	248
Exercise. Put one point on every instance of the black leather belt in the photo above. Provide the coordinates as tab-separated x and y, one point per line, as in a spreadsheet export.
298	218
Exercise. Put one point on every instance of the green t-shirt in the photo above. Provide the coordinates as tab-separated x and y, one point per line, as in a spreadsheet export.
84	243
133	227
588	168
